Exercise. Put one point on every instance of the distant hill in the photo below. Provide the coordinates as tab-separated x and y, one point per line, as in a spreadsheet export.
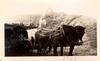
27	19
55	19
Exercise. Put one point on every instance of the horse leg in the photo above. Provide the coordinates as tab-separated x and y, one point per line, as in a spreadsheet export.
45	51
61	50
55	51
50	47
39	50
71	50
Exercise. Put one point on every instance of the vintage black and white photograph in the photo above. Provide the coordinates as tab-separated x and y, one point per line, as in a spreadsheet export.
49	28
53	34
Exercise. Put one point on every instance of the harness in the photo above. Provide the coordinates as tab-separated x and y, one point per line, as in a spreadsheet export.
62	30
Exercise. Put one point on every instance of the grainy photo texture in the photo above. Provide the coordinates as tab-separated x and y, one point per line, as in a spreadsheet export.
51	34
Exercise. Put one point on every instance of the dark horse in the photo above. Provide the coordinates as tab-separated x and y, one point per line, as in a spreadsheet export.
64	36
69	36
16	42
43	41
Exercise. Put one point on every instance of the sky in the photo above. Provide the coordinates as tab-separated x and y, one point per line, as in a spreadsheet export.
22	7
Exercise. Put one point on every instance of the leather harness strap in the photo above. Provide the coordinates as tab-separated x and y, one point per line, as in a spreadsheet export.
62	30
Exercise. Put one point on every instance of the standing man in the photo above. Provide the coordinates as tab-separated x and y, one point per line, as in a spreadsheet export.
42	23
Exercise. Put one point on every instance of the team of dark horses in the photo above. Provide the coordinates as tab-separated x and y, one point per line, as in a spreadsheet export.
17	43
